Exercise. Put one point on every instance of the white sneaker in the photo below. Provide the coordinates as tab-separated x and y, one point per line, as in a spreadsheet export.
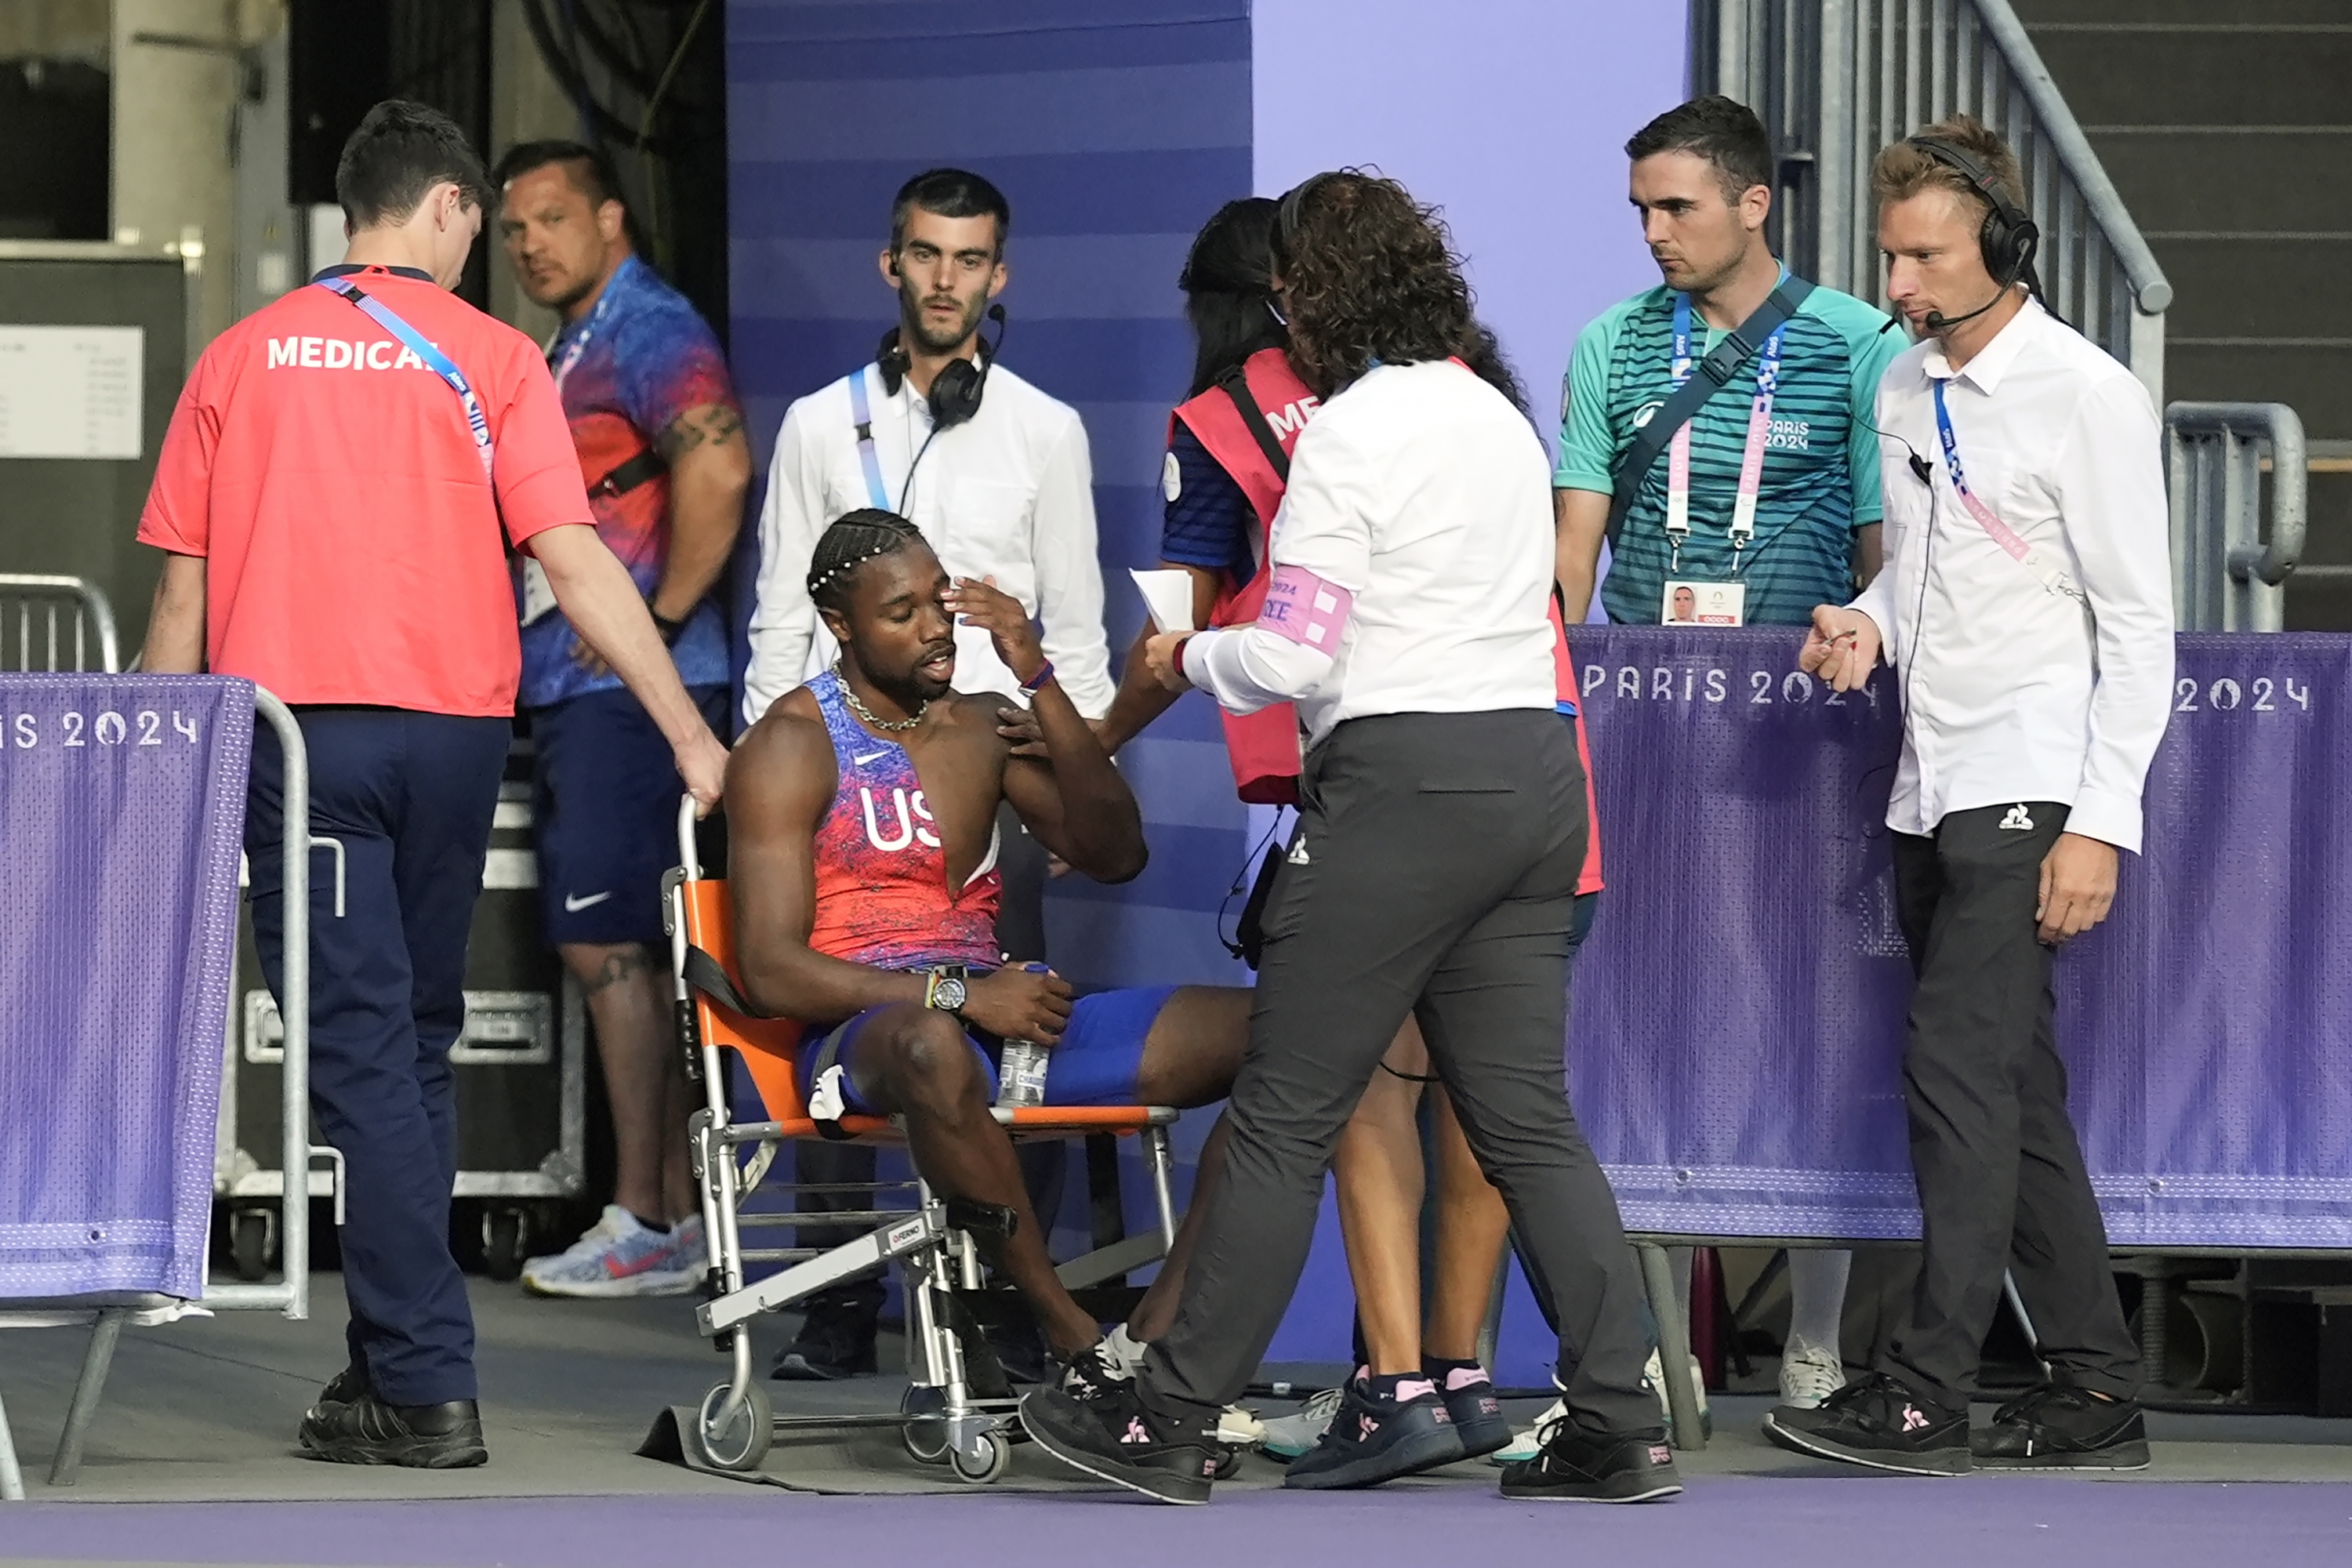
1240	1428
1528	1442
619	1256
1809	1375
1655	1371
1288	1437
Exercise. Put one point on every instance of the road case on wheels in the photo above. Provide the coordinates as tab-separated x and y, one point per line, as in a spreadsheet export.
521	1066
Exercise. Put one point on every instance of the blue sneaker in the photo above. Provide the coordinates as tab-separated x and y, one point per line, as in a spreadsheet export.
1376	1437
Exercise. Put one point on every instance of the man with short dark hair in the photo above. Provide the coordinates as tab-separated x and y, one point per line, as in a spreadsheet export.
336	490
1766	490
2027	604
937	430
660	439
1760	506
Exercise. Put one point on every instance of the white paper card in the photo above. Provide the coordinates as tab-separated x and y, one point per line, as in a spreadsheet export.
1168	594
70	392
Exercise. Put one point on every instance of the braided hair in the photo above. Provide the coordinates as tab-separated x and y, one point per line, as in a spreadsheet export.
855	538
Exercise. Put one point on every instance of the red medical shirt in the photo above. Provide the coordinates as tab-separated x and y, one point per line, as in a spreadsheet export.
330	479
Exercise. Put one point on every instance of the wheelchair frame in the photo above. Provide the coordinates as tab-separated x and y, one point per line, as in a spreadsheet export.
940	1421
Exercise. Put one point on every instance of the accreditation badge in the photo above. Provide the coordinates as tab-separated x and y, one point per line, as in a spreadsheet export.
1687	602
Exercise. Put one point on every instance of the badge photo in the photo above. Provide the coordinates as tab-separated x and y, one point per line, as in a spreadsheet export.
1693	604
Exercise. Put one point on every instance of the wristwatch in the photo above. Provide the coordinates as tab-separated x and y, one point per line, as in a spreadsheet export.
944	988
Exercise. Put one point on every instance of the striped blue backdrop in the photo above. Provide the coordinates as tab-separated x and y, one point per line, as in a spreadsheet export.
1113	132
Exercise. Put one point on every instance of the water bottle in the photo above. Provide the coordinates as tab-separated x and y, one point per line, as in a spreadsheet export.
1021	1068
1021	1074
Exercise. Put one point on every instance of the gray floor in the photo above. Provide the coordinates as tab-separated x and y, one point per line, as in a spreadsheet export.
206	1410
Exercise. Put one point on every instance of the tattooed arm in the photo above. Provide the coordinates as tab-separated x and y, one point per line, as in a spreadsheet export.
709	469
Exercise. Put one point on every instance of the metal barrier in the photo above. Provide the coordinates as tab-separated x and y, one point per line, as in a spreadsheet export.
291	1295
30	623
2230	571
1834	80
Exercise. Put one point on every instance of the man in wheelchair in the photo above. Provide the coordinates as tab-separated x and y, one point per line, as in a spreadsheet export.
862	813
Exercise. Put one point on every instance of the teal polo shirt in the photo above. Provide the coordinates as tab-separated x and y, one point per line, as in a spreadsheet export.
1821	460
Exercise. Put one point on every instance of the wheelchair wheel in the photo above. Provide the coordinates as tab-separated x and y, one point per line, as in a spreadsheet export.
926	1440
994	1457
742	1441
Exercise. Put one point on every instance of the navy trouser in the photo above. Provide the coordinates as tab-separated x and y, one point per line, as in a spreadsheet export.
410	795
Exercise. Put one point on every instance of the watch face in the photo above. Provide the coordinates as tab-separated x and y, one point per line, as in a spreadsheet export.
947	995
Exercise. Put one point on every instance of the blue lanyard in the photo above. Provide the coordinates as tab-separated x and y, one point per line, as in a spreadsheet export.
434	361
861	413
2053	577
1767	369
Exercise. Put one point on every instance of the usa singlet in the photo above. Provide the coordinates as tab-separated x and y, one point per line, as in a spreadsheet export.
882	894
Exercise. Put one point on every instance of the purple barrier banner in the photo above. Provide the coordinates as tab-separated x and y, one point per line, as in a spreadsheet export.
121	808
1737	1034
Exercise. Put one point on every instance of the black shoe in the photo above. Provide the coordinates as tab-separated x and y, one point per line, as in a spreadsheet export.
835	1342
1469	1395
1880	1423
1088	1375
2060	1426
367	1431
344	1388
1576	1466
1374	1438
1113	1437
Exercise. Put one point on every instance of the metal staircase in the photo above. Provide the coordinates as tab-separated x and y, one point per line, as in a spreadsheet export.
1835	81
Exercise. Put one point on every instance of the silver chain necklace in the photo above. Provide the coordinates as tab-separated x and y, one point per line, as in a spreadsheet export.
894	726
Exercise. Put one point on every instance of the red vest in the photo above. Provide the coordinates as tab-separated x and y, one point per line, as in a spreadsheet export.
1264	745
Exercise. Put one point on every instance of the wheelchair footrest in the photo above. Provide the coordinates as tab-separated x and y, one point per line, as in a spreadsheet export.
982	1220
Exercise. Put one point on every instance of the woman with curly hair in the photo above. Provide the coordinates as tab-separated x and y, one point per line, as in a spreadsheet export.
1433	871
1222	479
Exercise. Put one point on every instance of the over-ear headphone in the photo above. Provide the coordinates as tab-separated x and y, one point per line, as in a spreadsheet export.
958	388
2008	237
1286	216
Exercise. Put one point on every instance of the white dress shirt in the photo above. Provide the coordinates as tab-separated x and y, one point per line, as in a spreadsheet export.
1008	495
2011	692
1423	496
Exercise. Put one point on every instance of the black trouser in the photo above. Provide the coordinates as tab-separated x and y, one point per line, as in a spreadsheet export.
1433	872
2002	1182
1021	932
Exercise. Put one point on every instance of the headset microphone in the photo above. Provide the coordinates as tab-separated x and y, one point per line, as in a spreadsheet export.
2008	239
1936	322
